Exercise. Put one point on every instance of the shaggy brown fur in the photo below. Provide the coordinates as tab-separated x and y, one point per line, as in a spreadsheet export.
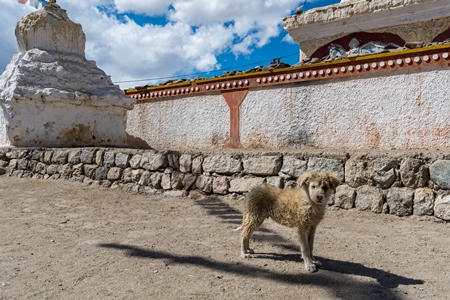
301	208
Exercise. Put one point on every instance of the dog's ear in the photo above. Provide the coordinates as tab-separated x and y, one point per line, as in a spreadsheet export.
334	180
304	179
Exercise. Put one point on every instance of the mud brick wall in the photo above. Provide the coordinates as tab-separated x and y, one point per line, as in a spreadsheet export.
399	183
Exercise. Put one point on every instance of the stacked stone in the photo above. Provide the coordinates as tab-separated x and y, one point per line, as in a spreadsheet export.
398	184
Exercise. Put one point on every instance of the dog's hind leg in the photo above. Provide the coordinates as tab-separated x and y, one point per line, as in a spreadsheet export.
249	225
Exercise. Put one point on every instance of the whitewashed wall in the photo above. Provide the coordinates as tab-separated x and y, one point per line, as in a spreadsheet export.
61	124
400	110
183	123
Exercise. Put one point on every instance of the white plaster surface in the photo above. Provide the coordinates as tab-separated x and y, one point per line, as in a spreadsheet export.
50	29
395	111
398	110
364	15
187	123
40	88
64	124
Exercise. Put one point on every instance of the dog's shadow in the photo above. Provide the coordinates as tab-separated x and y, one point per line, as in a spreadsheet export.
385	279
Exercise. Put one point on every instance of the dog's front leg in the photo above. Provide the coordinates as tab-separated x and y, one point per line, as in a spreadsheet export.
311	235
310	266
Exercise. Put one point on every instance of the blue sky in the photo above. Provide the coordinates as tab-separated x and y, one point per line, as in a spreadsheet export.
139	42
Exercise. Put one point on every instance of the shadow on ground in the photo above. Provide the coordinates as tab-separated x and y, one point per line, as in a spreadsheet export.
331	277
216	207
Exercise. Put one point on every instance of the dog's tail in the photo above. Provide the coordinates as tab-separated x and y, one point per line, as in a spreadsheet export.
237	229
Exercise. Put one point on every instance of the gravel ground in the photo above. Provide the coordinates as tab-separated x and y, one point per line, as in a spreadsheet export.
67	240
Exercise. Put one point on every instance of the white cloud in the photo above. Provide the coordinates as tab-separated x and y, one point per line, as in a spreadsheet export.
205	62
10	13
150	8
288	39
253	23
197	32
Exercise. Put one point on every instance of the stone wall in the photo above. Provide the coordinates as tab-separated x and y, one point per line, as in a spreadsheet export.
399	183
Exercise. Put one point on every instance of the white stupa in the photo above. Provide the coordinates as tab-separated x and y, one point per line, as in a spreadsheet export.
50	95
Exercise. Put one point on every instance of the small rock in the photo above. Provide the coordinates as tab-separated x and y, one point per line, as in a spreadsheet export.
196	195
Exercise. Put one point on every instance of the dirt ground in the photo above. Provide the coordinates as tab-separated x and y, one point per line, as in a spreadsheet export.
67	240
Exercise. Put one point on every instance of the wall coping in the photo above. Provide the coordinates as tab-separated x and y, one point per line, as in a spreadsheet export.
372	64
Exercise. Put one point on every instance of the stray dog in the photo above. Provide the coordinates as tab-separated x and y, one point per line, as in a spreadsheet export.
300	208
